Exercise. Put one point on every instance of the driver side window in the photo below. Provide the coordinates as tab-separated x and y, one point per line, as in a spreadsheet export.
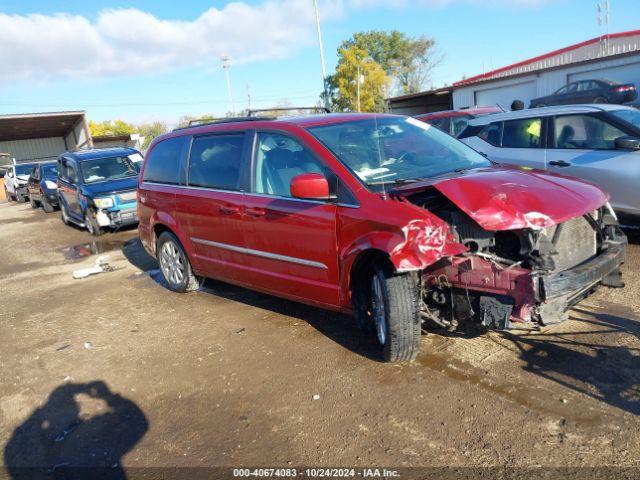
279	158
584	132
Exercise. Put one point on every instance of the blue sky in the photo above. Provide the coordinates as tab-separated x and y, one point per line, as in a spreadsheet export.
146	60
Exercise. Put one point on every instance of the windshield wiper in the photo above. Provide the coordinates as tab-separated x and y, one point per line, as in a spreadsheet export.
397	181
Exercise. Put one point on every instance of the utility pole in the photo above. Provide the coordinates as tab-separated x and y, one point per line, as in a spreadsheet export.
322	64
226	65
248	97
358	89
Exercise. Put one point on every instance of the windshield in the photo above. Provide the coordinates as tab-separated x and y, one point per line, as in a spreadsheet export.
49	170
629	116
24	169
393	150
110	168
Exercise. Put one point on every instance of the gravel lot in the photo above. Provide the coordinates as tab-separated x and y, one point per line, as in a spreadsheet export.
116	370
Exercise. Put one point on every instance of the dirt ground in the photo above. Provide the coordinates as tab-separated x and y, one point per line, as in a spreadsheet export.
116	370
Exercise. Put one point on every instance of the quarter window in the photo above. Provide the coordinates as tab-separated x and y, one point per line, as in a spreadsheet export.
523	133
216	162
163	162
71	173
585	132
278	159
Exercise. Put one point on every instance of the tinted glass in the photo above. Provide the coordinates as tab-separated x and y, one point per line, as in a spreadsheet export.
492	134
109	168
443	124
49	170
163	162
62	170
71	173
585	132
278	159
572	87
524	133
386	150
458	124
629	116
24	169
216	162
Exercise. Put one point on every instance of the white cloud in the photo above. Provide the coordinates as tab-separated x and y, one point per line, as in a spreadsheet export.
130	41
126	41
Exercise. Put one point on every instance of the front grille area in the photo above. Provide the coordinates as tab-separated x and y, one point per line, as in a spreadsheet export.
576	243
127	196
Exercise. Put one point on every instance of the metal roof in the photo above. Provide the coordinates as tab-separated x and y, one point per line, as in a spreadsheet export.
545	111
38	125
604	46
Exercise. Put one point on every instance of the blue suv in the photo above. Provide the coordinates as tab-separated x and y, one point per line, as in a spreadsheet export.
97	188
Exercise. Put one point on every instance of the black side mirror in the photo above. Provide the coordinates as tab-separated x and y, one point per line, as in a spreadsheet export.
627	143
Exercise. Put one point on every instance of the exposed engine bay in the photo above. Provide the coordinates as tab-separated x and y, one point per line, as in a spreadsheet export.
510	277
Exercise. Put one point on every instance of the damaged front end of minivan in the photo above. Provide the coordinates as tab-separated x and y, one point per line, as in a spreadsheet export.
501	263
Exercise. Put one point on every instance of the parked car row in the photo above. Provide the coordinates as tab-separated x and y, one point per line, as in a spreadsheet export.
380	216
94	189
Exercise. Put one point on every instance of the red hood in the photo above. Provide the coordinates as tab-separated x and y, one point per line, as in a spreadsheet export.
510	198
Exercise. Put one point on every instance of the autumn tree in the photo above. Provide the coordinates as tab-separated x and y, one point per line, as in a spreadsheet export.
109	127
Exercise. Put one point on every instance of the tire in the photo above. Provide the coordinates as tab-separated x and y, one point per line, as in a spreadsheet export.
64	215
91	224
21	199
395	307
32	202
46	206
6	194
599	100
174	264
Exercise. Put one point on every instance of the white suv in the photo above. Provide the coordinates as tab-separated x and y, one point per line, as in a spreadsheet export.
599	143
15	181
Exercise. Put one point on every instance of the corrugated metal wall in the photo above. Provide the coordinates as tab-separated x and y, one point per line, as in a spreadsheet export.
621	69
34	149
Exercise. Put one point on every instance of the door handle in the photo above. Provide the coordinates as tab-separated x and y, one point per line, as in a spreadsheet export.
229	210
559	163
255	212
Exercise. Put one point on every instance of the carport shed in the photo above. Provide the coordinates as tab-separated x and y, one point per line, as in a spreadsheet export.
43	136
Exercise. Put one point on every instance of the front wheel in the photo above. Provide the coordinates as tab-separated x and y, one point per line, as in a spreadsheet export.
46	206
92	224
599	100
395	313
32	202
174	264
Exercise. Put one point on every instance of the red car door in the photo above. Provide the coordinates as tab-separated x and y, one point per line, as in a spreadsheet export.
291	242
211	205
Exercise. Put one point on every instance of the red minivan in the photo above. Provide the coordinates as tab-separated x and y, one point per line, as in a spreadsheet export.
379	215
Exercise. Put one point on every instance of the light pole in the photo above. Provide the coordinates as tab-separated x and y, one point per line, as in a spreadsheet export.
324	69
226	65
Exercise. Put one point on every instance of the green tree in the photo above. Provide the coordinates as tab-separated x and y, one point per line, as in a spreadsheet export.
356	65
151	131
408	62
108	127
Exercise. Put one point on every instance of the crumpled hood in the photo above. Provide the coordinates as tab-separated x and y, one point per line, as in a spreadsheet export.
510	198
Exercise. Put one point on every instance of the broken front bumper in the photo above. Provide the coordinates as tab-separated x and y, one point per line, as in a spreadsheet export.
117	218
560	291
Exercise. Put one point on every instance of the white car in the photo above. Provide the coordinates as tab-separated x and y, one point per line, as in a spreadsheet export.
15	181
599	143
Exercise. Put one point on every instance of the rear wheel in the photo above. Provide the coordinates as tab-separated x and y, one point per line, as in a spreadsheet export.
91	223
63	214
174	264
599	100
393	313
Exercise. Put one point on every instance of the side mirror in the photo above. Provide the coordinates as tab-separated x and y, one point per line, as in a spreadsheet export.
310	186
627	143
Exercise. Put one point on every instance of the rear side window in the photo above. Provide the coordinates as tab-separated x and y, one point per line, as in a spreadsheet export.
585	132
492	134
163	162
523	133
216	162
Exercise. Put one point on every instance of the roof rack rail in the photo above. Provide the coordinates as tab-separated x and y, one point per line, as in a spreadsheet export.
193	123
251	113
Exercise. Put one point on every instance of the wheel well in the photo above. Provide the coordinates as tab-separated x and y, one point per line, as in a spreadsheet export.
159	229
362	267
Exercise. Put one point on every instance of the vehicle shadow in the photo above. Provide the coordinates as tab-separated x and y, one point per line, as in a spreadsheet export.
338	327
82	431
583	362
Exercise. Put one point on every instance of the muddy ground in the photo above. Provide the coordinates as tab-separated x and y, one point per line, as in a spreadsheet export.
116	370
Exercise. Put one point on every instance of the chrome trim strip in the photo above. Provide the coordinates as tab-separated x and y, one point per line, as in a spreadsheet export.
260	253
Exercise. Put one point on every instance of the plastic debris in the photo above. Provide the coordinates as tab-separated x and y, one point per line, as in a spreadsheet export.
316	397
100	266
88	345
